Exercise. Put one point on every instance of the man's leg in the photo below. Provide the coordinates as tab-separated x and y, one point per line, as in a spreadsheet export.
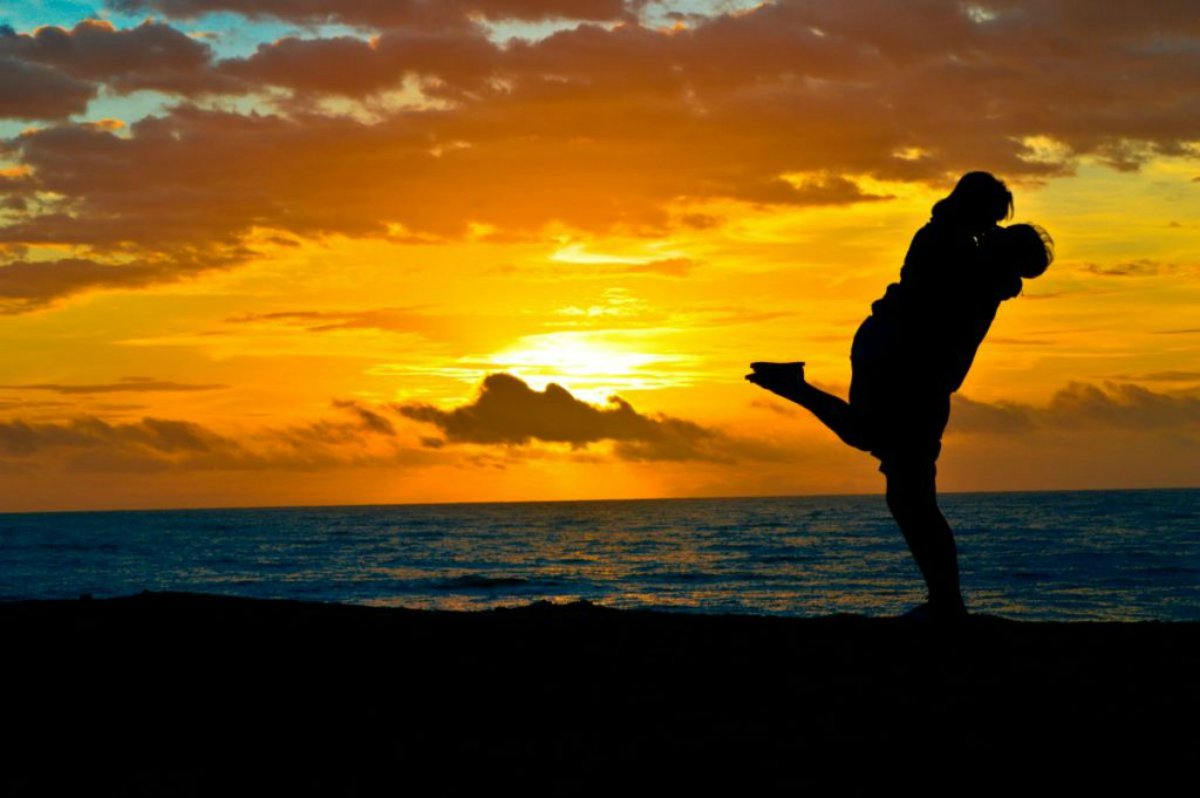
912	498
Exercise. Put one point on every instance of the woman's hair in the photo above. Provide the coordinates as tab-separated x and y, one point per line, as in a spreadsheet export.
979	200
1027	249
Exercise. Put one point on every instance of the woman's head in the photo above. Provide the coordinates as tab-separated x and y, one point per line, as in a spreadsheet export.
979	201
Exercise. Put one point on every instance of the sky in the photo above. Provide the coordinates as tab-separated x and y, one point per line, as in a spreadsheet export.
304	252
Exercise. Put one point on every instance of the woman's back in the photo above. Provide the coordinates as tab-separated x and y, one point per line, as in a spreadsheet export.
909	322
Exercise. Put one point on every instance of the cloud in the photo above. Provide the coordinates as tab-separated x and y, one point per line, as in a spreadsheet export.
410	325
1121	405
662	267
389	13
126	385
599	128
32	91
368	419
1166	376
507	411
614	311
969	416
407	320
775	407
357	435
667	267
461	61
153	55
6	404
1080	406
27	285
1133	268
150	435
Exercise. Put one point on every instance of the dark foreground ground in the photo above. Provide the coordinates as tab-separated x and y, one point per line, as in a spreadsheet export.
176	694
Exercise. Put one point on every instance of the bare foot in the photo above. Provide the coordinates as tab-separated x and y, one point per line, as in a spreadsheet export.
778	378
929	612
763	365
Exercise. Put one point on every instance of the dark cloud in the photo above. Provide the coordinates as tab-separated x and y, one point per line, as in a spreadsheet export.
8	404
88	443
1133	268
600	128
969	416
367	418
1165	376
1121	405
1080	406
354	425
304	64
26	284
507	411
824	190
460	60
153	55
153	435
33	91
127	385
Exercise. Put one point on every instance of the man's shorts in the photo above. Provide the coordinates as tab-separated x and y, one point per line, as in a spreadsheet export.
903	414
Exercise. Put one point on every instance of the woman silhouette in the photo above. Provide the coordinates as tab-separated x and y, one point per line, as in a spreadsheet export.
913	351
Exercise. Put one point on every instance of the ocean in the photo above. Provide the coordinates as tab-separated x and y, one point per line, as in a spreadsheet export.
1091	555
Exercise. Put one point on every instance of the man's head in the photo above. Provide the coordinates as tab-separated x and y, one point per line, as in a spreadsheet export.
1026	248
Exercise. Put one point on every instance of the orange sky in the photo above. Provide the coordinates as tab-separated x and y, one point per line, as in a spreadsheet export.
265	253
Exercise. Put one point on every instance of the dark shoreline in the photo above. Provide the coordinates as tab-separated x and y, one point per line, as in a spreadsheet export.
167	691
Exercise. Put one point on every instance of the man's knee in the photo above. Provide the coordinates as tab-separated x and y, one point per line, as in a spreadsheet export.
911	490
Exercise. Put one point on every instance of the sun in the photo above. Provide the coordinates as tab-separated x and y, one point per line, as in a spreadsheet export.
592	365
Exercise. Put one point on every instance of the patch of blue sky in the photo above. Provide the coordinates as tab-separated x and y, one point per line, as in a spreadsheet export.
234	36
661	13
656	14
230	35
127	107
25	15
503	31
10	128
139	104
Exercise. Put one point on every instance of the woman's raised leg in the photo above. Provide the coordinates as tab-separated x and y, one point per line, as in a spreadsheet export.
787	380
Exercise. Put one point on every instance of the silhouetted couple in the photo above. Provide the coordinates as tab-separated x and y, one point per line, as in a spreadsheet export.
913	351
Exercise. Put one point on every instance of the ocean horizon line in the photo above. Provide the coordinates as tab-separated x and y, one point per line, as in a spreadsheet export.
613	500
